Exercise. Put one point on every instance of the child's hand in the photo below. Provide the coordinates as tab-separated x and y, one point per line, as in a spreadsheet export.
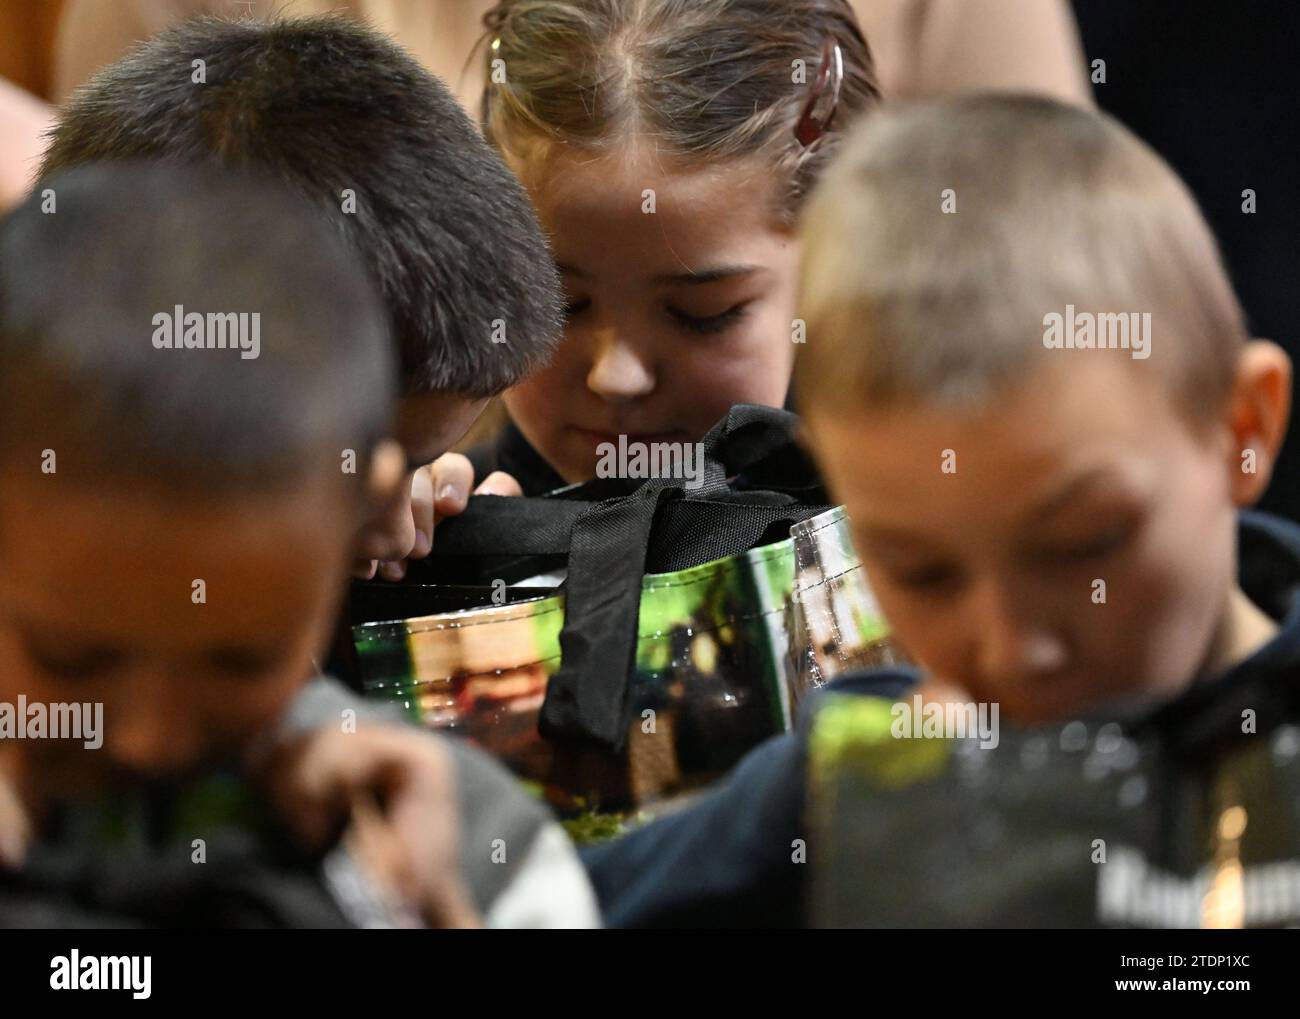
15	826
442	490
324	779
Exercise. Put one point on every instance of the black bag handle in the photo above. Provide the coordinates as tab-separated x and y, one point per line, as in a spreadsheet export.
495	528
543	525
494	525
586	698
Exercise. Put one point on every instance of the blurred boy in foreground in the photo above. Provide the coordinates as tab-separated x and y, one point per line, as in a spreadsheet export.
177	502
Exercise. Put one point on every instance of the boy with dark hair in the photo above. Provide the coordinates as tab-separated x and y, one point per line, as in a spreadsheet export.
1030	383
189	361
345	117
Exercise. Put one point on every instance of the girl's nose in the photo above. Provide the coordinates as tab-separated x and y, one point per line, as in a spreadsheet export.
619	372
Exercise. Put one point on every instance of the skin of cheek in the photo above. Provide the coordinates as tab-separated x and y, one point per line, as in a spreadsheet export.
272	567
756	369
1182	575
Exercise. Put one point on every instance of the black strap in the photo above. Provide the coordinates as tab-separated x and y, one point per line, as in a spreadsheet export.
687	532
586	699
494	525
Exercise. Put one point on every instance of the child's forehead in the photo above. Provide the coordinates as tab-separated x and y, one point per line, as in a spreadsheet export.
133	562
1080	392
661	226
1057	424
573	181
66	507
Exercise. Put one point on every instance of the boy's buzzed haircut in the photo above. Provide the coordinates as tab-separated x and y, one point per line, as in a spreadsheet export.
948	230
86	373
329	106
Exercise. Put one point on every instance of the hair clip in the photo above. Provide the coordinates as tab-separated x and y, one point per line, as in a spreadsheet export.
817	114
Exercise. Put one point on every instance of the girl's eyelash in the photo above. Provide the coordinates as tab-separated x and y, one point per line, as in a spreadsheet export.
711	323
708	324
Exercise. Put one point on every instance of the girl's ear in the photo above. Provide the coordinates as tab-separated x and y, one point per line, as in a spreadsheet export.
387	472
1257	415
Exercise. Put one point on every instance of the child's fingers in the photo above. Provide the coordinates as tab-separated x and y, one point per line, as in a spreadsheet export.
452	476
15	831
311	781
421	513
318	780
313	777
450	905
499	483
377	850
421	531
424	813
418	871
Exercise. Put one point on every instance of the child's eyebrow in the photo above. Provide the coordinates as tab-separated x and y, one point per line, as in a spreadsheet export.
704	276
708	275
1062	498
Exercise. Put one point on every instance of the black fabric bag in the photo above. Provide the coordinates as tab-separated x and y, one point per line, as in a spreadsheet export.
607	536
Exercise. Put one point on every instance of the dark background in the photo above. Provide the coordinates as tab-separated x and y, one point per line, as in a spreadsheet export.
1215	88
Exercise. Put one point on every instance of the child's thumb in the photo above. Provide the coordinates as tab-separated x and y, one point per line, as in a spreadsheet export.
15	831
499	483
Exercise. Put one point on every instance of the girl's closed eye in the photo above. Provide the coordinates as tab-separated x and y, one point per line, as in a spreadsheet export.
709	324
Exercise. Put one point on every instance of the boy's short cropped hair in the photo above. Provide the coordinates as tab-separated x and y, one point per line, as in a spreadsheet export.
344	116
949	232
185	326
